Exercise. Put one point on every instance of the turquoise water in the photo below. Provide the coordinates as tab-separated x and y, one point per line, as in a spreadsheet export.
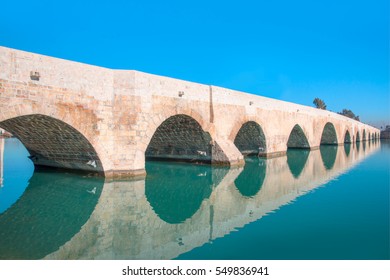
331	203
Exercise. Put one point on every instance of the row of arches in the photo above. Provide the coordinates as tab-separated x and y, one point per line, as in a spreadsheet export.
52	142
250	139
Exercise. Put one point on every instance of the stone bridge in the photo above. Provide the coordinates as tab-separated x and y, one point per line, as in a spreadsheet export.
77	116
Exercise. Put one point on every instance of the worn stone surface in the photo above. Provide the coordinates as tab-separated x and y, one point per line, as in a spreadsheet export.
329	136
297	138
250	139
117	112
51	142
180	137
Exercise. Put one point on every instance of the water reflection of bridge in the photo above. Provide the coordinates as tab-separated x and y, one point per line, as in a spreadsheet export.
130	223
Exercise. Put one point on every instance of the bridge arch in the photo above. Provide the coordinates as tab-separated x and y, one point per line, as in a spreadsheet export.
180	137
297	138
250	139
329	135
54	143
347	137
364	135
358	136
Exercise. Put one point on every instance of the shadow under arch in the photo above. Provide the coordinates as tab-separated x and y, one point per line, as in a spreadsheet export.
329	136
180	137
250	139
297	139
298	149
358	137
364	135
251	179
54	143
328	155
176	191
347	137
51	211
296	160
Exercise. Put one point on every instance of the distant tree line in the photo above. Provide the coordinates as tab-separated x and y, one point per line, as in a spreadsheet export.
320	104
348	113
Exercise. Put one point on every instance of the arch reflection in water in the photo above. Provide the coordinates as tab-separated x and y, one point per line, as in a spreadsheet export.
296	160
129	228
175	192
328	154
50	212
347	149
251	179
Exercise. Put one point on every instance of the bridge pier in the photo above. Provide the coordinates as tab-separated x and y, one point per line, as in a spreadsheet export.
224	152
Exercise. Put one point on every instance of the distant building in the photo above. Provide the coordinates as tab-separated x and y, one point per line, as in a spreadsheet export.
385	134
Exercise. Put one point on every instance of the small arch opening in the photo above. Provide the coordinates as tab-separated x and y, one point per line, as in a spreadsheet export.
180	138
297	139
329	136
250	139
358	137
347	138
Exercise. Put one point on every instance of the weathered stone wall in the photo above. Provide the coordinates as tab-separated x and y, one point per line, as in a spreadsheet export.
118	112
68	92
180	137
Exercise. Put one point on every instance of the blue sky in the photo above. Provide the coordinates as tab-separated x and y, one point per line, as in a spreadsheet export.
337	50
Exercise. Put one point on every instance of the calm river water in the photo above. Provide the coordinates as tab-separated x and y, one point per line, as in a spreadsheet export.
331	203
